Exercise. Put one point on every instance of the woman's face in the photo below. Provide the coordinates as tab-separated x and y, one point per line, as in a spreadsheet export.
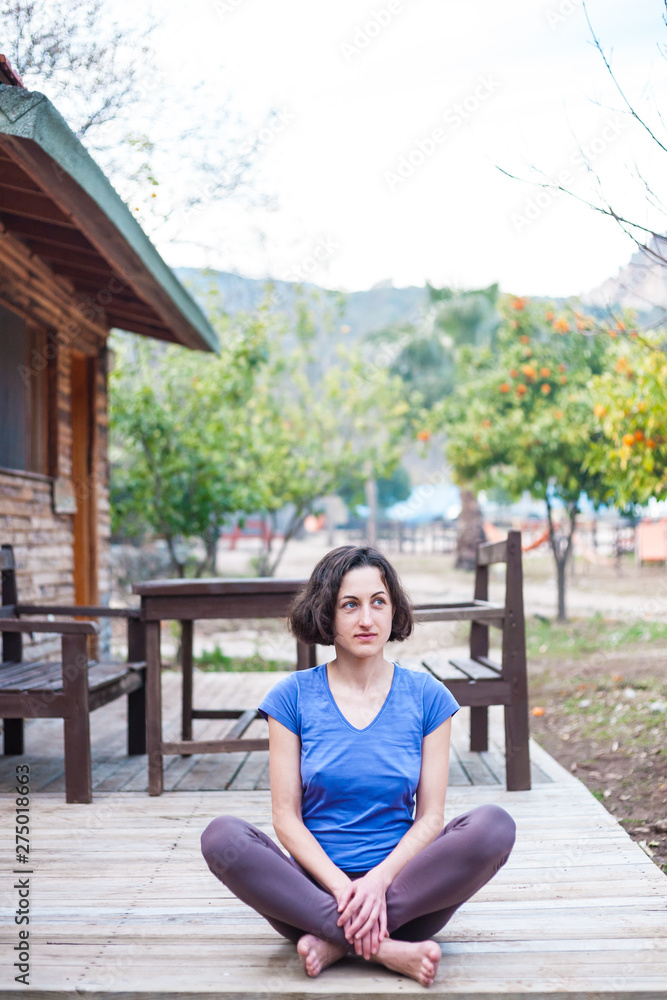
362	624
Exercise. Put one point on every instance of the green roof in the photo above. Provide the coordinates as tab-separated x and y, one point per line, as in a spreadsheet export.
55	198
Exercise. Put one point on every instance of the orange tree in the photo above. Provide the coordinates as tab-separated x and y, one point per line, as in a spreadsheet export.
630	408
521	418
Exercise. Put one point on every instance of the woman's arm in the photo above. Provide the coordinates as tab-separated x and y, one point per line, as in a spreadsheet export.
285	772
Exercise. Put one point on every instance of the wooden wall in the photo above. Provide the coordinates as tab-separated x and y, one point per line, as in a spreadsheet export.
43	540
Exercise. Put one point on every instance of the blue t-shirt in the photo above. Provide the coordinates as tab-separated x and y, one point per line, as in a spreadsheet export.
358	785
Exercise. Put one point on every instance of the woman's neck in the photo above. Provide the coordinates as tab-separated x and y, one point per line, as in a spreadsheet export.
359	673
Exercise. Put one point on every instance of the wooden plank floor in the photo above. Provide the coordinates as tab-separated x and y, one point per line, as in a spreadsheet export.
123	905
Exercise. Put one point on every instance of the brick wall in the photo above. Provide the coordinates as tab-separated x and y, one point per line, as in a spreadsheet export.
42	539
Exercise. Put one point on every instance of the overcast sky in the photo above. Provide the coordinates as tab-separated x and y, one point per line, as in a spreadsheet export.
393	119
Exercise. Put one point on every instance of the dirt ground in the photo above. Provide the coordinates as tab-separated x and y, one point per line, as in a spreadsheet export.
597	684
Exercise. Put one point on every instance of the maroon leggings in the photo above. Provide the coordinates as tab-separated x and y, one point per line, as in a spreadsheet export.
420	901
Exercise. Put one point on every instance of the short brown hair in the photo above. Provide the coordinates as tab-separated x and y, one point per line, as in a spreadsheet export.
311	615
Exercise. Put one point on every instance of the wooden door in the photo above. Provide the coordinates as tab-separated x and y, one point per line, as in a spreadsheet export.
83	475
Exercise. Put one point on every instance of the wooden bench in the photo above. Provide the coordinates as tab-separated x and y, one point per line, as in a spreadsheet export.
478	681
71	689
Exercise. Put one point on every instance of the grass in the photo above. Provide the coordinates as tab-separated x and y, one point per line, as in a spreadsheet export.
583	636
217	661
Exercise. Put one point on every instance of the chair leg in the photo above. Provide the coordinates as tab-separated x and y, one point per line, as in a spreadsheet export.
136	700
13	737
187	667
517	757
136	719
78	779
479	727
154	710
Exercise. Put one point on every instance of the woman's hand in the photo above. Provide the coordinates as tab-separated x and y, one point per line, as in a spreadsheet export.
363	913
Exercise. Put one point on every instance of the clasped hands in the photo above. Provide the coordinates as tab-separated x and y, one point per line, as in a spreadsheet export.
362	910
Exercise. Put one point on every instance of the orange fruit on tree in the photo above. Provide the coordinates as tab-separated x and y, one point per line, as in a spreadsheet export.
514	373
561	325
628	439
545	372
529	371
549	316
521	389
599	410
423	435
650	443
546	388
524	338
519	303
639	435
504	387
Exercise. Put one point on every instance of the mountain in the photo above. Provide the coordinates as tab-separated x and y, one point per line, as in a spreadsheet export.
363	312
641	285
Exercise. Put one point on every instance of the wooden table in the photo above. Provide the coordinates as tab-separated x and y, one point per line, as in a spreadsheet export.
187	601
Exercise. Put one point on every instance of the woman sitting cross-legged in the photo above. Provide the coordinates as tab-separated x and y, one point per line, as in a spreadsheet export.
359	753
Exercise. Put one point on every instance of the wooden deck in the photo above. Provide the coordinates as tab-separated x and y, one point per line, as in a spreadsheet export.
123	906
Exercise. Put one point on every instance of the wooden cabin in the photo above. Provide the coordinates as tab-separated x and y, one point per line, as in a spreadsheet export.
74	263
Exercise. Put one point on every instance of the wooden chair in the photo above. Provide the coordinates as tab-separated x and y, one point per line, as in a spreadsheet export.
71	689
478	681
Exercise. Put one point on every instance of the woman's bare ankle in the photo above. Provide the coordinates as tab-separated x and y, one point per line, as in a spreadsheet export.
416	959
317	954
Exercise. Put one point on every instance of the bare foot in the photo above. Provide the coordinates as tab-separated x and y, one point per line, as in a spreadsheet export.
416	959
317	954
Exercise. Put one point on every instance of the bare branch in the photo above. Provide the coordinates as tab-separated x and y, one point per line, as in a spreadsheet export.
627	103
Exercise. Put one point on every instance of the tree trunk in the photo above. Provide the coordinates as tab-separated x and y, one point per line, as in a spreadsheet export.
175	563
561	546
469	531
372	504
560	576
265	565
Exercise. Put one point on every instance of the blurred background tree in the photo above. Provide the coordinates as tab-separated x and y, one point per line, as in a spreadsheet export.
630	407
180	462
425	358
261	429
521	417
